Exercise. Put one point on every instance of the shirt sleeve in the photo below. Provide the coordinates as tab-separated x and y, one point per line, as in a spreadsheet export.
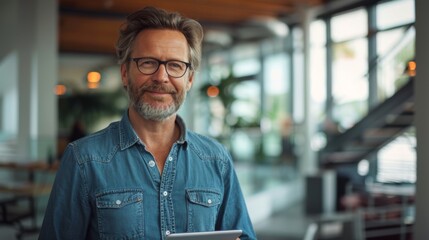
67	214
233	212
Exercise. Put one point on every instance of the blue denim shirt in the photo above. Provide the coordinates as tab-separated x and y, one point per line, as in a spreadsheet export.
109	187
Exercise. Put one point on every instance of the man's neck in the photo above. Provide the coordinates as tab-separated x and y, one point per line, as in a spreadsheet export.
157	136
154	133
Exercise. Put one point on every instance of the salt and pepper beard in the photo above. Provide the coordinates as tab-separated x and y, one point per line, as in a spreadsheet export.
146	110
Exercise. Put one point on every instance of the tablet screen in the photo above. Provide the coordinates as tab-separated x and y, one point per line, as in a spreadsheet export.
214	235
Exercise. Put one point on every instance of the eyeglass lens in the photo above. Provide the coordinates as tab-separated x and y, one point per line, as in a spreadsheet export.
150	66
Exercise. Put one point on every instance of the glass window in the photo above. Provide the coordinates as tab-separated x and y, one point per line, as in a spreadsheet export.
350	82
395	13
387	40
349	66
350	63
244	51
215	69
396	48
397	160
246	107
218	66
242	101
243	119
246	67
318	33
349	25
318	67
276	74
318	77
276	109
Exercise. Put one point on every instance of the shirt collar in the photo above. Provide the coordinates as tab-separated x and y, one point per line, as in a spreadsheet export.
128	137
182	127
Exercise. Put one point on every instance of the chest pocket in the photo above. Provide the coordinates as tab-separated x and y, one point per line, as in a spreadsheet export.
120	214
203	206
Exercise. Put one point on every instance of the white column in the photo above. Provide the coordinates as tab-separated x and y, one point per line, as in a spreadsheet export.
422	120
45	62
8	71
29	56
308	164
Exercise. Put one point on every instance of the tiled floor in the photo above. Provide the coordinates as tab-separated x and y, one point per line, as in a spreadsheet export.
289	224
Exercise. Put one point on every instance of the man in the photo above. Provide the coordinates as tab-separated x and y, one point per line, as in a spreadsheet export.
146	176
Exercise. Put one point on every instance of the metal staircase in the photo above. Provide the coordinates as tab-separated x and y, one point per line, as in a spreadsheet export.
379	127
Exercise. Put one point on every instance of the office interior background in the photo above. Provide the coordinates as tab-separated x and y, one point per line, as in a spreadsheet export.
319	103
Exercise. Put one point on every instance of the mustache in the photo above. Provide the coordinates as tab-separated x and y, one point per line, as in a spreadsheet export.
157	88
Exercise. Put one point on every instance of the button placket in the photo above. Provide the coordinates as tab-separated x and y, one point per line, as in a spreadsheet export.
167	181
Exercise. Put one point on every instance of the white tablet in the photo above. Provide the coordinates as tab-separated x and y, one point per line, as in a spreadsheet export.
214	235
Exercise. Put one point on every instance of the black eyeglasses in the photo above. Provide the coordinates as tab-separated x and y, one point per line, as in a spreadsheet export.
149	66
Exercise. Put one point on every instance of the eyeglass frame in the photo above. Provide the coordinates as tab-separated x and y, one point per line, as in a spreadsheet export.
188	65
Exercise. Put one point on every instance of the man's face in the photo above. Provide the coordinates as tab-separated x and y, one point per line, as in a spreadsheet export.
157	96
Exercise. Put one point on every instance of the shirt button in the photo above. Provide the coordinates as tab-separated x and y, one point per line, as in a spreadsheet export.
170	159
209	201
167	232
165	193
151	163
118	202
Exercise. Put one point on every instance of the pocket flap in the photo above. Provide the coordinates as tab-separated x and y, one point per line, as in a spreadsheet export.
118	198
204	197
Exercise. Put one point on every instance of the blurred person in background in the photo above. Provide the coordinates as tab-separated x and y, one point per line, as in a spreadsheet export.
77	131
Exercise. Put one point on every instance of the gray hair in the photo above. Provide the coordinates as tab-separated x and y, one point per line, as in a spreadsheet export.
155	18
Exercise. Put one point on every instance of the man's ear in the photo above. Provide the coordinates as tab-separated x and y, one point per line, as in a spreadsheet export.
124	75
190	81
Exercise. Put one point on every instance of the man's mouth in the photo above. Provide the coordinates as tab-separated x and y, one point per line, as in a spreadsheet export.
157	90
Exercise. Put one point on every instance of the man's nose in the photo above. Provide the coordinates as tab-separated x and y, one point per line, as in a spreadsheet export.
161	74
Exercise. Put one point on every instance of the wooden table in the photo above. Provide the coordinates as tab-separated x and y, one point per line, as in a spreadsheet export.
13	194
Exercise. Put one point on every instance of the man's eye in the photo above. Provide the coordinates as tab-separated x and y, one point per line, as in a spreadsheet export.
175	65
148	63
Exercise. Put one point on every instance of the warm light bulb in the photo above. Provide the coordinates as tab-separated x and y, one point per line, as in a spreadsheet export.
60	89
412	68
412	65
93	77
212	91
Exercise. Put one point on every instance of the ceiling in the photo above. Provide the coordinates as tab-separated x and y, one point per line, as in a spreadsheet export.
91	26
88	29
